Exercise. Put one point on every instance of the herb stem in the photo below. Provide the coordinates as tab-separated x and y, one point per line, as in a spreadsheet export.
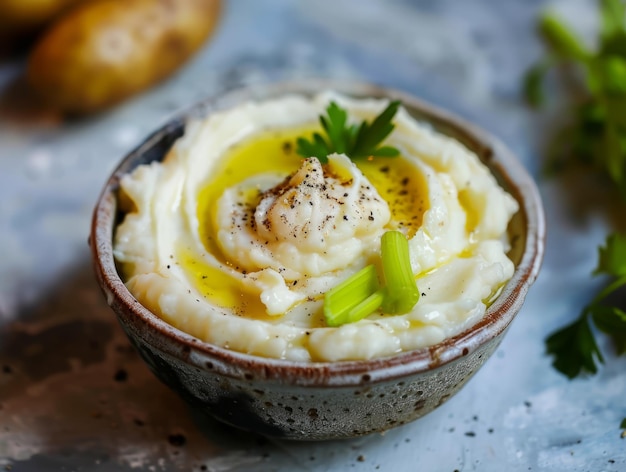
606	291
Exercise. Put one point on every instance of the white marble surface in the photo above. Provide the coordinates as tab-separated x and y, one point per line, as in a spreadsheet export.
61	407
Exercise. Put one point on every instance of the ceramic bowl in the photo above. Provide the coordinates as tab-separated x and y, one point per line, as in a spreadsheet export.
315	401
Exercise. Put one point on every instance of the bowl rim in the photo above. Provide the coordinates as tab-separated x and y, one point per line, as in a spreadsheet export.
203	355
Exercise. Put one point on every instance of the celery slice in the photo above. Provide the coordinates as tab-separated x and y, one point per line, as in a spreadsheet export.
348	301
360	294
366	307
401	293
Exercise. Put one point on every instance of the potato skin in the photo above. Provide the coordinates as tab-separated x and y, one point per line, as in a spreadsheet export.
22	17
106	50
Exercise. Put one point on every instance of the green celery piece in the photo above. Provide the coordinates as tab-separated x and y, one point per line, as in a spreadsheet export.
360	295
401	293
561	40
341	303
366	307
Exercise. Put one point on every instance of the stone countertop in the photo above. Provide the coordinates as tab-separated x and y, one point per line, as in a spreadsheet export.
75	397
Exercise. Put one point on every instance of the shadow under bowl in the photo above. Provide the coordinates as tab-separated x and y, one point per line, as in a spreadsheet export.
327	400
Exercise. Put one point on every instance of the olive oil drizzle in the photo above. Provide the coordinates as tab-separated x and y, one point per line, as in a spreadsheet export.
397	181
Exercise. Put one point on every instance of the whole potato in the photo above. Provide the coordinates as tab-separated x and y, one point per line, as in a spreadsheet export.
22	17
107	50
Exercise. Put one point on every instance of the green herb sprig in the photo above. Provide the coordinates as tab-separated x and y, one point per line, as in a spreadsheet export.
574	347
596	138
355	141
361	294
596	135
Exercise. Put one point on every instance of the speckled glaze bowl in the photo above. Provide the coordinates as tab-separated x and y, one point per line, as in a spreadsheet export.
314	401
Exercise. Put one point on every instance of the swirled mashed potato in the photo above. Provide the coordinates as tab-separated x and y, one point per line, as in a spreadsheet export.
234	238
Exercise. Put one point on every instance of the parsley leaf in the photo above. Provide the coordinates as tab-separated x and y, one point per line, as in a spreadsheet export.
574	348
355	141
612	321
612	256
340	136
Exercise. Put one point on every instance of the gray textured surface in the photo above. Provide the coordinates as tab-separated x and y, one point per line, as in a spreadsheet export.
61	407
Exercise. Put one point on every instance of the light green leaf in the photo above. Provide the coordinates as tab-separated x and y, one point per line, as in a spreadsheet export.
612	256
341	301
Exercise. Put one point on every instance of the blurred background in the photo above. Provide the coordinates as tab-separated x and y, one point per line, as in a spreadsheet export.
73	394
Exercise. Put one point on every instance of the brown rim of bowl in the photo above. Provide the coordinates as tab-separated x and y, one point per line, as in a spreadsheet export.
343	373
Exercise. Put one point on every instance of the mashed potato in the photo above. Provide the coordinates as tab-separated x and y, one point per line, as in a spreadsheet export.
235	239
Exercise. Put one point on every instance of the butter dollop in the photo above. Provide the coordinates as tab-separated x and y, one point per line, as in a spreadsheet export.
319	219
